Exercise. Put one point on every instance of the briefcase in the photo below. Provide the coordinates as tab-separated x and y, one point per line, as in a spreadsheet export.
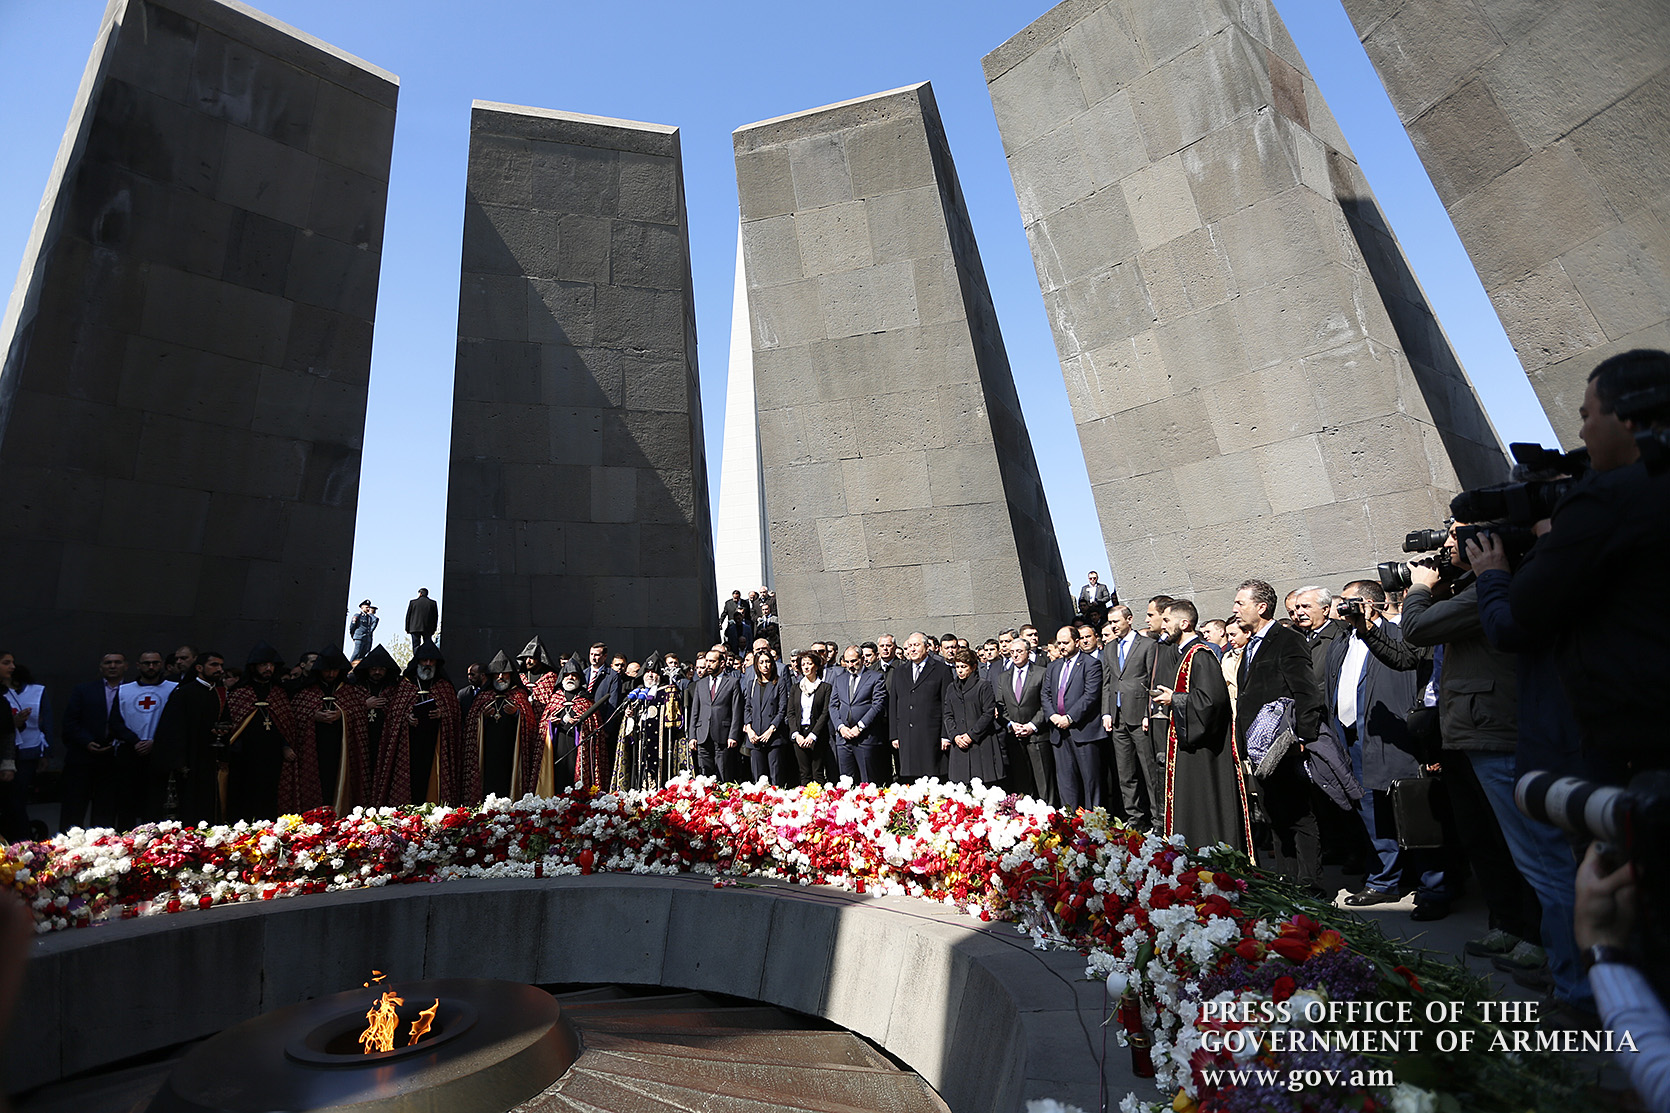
1417	806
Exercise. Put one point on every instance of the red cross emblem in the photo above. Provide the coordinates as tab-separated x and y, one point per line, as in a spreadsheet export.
147	702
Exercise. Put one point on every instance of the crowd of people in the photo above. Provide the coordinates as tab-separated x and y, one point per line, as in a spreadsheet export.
1296	730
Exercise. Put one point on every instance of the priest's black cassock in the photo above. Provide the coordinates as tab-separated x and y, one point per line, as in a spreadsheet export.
1205	796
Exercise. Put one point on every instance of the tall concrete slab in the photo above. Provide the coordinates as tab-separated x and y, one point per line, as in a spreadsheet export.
577	506
1546	130
900	484
742	559
1258	383
188	345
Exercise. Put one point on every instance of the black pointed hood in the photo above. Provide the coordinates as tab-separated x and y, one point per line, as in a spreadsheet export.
426	651
332	659
572	666
536	650
501	664
378	657
263	654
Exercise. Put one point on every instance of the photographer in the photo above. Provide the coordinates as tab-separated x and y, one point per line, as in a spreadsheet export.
1605	919
1547	740
1612	528
1475	693
1367	702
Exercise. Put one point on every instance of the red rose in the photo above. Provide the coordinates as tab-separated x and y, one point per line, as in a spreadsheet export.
1283	989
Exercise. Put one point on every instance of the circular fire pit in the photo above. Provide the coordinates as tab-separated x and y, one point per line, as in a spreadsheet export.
489	1045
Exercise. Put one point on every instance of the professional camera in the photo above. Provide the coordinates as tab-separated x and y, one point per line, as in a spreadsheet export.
1542	476
1394	574
1355	608
1516	540
1631	824
1425	540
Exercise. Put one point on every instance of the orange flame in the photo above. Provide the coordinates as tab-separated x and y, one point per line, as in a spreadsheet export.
420	1026
381	1020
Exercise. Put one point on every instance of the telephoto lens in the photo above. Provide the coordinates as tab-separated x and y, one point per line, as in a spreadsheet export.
1573	804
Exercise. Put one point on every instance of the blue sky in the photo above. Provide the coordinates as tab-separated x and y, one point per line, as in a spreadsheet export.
707	68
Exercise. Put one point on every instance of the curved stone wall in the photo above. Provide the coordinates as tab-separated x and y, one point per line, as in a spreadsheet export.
985	1018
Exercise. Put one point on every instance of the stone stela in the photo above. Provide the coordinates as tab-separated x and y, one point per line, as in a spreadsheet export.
900	486
1253	369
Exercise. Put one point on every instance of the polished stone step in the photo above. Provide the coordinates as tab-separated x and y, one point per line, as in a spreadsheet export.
795	1048
741	1016
820	1087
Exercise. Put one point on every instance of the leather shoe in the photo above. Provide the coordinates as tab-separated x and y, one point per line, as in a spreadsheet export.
1428	912
1369	897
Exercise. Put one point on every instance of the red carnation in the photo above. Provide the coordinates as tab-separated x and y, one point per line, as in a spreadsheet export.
1283	988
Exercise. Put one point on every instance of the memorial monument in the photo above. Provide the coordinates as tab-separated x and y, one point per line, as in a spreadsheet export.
900	485
742	559
1544	129
1257	380
188	345
577	503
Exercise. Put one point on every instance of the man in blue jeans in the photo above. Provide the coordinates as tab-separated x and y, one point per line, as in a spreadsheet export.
1478	708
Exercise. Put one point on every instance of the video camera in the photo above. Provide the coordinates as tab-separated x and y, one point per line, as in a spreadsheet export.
1631	824
1394	574
1542	476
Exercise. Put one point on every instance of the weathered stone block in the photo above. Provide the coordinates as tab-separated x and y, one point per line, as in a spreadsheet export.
595	409
1205	360
1543	128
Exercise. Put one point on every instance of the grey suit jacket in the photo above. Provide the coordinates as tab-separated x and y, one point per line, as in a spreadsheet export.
1130	684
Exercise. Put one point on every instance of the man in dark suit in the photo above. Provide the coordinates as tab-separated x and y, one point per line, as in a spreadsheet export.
856	699
1277	664
89	751
1073	698
1127	664
1094	600
1020	693
716	720
916	710
736	623
423	617
1311	606
1366	704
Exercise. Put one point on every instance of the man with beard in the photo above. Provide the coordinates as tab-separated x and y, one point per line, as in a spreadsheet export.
133	726
330	738
435	762
537	674
191	739
504	732
1205	798
716	720
475	677
389	698
260	742
568	727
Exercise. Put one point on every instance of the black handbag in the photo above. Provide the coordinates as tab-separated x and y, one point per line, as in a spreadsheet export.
1417	809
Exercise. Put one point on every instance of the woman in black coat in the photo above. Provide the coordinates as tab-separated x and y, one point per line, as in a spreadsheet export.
765	704
808	719
971	724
